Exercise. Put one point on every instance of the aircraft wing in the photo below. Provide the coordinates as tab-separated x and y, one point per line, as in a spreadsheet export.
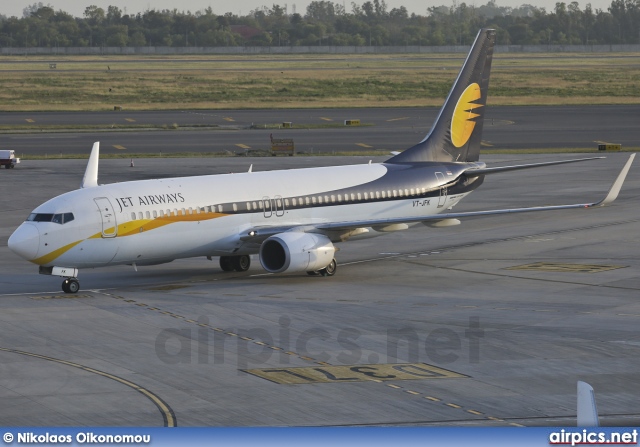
258	233
609	198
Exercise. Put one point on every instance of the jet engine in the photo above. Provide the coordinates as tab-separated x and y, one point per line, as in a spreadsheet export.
296	252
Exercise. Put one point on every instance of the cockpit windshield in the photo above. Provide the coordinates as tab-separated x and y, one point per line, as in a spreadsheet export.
61	218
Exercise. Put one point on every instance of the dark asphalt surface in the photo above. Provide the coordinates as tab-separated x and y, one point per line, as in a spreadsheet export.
386	129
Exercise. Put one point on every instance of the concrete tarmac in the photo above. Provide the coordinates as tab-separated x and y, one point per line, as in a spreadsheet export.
491	322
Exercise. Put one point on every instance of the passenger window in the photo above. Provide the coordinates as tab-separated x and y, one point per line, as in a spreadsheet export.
366	196
294	202
148	215
313	199
140	216
235	207
319	199
155	214
306	199
133	216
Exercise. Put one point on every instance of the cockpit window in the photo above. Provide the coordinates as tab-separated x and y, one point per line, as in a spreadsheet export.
38	217
61	218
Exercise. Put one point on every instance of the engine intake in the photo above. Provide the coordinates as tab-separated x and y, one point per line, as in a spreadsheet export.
296	252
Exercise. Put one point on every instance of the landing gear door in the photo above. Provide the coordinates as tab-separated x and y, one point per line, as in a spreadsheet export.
109	225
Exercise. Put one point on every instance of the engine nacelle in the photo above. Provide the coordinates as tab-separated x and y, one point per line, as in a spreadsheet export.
296	252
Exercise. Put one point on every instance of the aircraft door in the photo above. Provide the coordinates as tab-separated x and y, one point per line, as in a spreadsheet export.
109	225
266	203
278	203
443	190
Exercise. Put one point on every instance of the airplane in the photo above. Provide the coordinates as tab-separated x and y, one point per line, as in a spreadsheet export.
291	219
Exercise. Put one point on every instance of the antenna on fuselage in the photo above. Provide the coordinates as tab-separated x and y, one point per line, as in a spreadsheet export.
90	178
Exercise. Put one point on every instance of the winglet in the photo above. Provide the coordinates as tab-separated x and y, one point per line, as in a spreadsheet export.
587	410
615	188
90	178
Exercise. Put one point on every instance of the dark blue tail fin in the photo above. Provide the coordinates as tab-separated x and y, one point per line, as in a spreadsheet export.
457	132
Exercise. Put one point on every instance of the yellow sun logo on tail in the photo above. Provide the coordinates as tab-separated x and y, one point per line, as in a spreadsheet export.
462	124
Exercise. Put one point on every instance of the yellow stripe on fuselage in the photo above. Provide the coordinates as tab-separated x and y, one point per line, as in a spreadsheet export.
42	260
129	229
137	226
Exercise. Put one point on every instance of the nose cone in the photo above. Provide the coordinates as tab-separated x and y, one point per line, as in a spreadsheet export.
25	241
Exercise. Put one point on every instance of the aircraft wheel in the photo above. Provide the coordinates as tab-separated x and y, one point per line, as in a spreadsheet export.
330	270
70	285
241	263
226	263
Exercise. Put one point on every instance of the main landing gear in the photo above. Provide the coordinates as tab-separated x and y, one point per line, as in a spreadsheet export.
70	285
329	270
235	263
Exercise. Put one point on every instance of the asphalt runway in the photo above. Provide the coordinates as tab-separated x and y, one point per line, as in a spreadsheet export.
491	322
385	129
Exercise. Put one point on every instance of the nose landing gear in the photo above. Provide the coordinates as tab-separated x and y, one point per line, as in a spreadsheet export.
70	285
70	275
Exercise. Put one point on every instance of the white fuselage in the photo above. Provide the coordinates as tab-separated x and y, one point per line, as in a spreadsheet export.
155	221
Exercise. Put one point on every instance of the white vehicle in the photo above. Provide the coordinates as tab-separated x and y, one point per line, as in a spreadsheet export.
8	159
291	219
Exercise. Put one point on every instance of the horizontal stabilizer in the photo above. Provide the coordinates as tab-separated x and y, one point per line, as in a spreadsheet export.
485	171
